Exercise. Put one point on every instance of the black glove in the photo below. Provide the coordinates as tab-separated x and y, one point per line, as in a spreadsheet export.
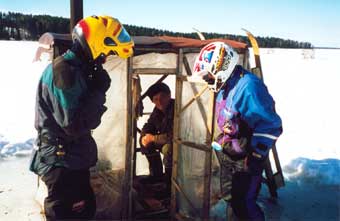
208	79
101	80
97	78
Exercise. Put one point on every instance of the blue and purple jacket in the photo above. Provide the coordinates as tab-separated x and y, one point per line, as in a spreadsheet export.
246	98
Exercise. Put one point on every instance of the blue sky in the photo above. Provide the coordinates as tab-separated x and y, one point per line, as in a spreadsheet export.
316	21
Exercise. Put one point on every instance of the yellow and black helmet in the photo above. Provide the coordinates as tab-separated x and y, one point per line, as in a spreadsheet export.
103	35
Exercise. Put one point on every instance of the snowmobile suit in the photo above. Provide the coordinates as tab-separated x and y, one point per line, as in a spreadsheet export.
68	107
248	102
65	189
66	112
161	125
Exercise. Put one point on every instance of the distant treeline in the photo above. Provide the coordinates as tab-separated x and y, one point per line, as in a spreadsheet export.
18	26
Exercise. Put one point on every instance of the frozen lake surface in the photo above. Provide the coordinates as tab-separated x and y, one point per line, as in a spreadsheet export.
304	84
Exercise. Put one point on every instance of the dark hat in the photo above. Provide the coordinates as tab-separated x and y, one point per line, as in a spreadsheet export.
156	88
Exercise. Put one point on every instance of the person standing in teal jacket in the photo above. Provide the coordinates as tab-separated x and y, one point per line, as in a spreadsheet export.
69	104
249	126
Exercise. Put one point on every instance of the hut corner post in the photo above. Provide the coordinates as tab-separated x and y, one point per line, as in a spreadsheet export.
76	13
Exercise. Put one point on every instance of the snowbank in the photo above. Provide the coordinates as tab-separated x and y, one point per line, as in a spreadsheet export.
312	192
20	149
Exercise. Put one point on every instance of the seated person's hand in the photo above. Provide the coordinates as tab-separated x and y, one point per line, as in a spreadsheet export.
147	139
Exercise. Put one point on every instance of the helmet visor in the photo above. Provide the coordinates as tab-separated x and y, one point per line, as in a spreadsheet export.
109	42
124	36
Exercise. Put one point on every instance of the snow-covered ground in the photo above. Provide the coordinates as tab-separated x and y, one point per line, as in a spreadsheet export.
304	84
18	82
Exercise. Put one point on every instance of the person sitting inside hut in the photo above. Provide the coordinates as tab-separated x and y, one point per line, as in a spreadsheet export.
156	135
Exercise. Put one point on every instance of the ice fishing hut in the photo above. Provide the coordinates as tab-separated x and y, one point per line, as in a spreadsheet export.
195	178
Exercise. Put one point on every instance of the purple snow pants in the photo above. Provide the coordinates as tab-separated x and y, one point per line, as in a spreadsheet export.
244	191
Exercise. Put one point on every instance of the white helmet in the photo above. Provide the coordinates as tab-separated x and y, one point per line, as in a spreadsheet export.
215	63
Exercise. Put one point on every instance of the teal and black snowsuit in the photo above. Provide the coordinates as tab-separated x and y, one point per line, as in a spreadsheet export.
66	112
68	107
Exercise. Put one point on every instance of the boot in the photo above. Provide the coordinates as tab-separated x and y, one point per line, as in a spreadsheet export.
167	180
230	213
155	167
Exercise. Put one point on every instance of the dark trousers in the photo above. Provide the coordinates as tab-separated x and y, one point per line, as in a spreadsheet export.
155	163
70	196
244	192
153	155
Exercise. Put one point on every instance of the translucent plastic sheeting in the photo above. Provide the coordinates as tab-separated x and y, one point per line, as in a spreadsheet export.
107	177
195	127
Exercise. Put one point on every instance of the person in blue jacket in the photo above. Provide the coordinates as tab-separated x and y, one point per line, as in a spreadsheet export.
69	104
248	123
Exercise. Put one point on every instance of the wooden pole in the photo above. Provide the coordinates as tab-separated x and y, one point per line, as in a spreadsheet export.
76	12
127	182
176	129
208	160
